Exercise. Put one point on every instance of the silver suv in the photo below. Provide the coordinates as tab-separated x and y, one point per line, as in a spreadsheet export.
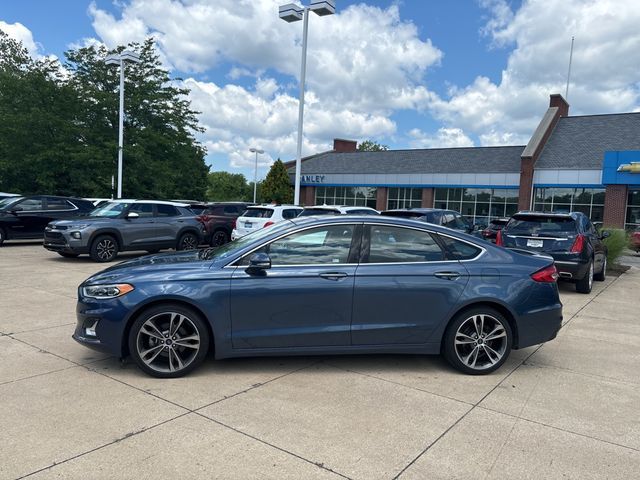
125	225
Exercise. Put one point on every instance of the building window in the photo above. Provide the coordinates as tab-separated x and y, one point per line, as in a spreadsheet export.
360	196
479	205
632	220
404	198
589	201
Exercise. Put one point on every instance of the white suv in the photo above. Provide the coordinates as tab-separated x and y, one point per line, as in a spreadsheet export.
261	216
338	210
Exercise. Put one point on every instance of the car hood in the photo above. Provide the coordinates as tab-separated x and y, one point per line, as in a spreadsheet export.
171	263
82	220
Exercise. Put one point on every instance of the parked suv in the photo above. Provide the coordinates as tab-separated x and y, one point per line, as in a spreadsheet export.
337	210
491	231
260	216
27	217
570	238
125	225
436	216
219	220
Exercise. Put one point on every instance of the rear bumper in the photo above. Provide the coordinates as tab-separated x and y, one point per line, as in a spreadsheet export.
570	269
539	326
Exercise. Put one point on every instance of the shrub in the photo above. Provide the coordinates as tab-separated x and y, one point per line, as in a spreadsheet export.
616	243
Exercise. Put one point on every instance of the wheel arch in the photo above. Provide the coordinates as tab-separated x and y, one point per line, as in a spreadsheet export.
107	231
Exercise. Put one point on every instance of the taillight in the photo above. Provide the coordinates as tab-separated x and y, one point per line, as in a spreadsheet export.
578	244
499	239
546	275
268	224
233	224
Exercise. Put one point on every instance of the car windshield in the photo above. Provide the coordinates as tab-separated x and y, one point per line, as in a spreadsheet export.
541	225
231	248
258	213
7	202
110	210
308	212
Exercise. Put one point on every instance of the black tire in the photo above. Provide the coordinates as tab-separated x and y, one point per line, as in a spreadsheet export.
601	276
219	238
68	255
163	359
187	241
104	248
585	284
3	236
462	338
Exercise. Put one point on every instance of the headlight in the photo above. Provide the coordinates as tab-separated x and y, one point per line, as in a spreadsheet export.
76	235
106	291
81	226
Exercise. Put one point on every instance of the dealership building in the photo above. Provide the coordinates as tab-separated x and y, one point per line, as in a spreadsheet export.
585	163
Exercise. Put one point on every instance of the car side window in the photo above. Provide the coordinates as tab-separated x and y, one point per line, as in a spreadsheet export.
401	245
289	213
328	245
58	204
459	222
230	210
142	209
457	250
31	204
166	210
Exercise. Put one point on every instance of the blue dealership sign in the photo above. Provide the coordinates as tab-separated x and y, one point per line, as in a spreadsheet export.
621	167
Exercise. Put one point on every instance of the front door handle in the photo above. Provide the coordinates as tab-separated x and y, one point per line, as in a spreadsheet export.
447	275
333	275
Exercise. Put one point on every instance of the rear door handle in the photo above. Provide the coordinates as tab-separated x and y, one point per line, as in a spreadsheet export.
447	275
333	275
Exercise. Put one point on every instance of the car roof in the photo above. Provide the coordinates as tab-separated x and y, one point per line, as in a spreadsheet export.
531	213
157	202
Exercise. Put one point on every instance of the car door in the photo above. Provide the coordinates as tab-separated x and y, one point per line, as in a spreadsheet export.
404	286
29	218
141	231
305	298
168	224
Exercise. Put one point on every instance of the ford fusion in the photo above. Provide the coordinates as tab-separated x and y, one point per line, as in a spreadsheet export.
331	285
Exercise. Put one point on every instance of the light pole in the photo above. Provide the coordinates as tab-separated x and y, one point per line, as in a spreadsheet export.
293	13
119	59
257	151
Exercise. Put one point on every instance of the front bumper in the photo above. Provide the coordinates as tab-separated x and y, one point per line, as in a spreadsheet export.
57	241
111	316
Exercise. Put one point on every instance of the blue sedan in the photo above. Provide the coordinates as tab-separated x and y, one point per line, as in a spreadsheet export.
324	285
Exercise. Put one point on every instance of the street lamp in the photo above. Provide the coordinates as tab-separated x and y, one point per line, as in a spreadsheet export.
255	172
119	59
293	13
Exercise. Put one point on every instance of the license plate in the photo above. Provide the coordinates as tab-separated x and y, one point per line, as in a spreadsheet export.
535	243
248	225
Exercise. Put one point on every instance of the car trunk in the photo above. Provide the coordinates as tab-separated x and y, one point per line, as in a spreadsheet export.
540	233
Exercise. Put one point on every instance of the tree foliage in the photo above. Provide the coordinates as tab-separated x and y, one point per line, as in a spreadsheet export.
225	186
59	126
276	187
371	146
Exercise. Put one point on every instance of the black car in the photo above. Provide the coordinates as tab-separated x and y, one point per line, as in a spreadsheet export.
491	231
446	218
570	238
27	217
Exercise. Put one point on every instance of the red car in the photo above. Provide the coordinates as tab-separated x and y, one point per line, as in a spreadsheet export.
635	240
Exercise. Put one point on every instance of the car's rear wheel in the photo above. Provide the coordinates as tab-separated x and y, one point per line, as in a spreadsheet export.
187	241
2	236
68	255
601	276
219	238
103	249
478	341
585	284
168	341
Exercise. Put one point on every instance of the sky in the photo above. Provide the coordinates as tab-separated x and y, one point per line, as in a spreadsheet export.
407	74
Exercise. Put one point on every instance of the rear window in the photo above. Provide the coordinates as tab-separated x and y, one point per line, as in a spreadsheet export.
541	225
258	213
308	212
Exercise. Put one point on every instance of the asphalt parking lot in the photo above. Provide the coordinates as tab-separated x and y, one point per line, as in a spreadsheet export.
567	409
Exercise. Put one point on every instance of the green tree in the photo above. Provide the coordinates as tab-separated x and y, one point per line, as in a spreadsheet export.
276	187
225	186
371	146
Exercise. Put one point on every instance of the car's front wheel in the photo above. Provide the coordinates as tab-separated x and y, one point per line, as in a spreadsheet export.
187	241
478	341
601	276
168	341
103	249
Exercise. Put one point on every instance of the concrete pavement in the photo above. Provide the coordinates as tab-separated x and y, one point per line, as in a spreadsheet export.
567	409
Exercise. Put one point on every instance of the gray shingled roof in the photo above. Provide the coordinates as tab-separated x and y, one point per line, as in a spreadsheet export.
580	142
437	160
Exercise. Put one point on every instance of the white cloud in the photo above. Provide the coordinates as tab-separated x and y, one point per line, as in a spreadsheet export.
19	32
604	74
443	138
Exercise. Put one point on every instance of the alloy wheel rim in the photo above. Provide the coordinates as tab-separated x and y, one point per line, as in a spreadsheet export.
105	249
168	342
480	341
218	239
189	242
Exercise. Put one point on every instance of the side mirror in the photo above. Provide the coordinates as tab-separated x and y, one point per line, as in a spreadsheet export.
605	234
133	215
258	263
